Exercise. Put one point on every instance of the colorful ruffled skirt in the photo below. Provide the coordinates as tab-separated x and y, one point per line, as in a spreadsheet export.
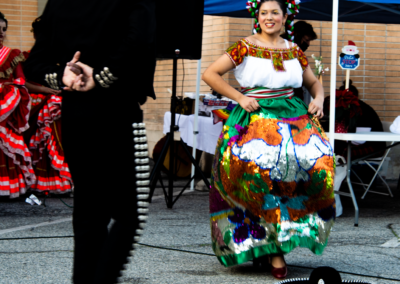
51	169
272	183
16	172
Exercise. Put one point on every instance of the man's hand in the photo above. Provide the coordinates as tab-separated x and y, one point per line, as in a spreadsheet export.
85	81
70	76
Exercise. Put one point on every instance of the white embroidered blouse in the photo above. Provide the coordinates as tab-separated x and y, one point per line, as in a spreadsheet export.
258	66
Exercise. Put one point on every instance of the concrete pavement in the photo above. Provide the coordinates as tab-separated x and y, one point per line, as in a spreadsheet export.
176	244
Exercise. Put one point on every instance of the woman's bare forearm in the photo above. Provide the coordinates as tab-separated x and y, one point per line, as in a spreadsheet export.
313	85
316	90
33	88
218	84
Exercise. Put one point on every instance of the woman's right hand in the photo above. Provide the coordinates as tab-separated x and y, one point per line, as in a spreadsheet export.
46	90
248	104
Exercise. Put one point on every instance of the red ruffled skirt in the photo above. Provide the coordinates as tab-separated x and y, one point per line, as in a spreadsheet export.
16	172
51	169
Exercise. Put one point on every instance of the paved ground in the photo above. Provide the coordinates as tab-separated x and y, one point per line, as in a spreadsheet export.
176	245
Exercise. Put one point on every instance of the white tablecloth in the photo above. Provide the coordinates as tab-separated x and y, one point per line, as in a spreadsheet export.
368	136
208	132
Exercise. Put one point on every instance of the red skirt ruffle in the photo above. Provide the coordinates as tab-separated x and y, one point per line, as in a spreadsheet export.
20	116
15	106
9	100
16	172
51	169
12	179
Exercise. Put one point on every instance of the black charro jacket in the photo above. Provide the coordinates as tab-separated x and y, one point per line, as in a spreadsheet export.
116	35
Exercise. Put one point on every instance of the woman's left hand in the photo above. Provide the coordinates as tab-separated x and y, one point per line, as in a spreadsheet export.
317	92
316	108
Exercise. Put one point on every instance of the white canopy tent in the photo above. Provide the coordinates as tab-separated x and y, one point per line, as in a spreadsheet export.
335	15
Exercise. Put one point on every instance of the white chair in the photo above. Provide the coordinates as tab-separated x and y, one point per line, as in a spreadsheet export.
380	161
340	175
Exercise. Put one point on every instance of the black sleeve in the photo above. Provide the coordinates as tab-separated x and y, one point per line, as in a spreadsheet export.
40	67
140	41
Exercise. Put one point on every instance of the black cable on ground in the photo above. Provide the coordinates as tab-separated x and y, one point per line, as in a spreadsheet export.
69	206
47	194
36	238
394	233
198	253
180	250
44	199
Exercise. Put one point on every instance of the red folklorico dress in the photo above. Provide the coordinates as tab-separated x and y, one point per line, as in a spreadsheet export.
16	172
44	138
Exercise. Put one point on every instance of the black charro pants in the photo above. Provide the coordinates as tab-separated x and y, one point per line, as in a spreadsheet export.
99	149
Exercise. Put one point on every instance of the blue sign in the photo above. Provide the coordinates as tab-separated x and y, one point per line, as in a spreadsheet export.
349	62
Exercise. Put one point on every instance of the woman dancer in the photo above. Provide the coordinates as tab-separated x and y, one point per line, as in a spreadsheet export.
272	183
16	172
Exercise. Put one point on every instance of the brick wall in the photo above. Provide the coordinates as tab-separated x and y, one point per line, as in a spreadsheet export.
20	15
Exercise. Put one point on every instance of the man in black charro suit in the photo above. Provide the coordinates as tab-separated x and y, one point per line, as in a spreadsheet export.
102	132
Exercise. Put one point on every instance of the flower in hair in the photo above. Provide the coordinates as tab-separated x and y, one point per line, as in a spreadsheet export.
252	6
292	8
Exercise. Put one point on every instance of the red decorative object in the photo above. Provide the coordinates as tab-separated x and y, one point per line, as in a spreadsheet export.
340	127
347	111
348	101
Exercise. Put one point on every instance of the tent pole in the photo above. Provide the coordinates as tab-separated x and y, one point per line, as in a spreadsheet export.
195	122
335	13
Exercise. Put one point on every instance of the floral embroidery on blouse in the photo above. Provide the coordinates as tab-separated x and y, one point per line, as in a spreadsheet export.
244	48
237	52
302	59
277	61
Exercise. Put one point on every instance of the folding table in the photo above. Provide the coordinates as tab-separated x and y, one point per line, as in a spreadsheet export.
208	132
364	136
